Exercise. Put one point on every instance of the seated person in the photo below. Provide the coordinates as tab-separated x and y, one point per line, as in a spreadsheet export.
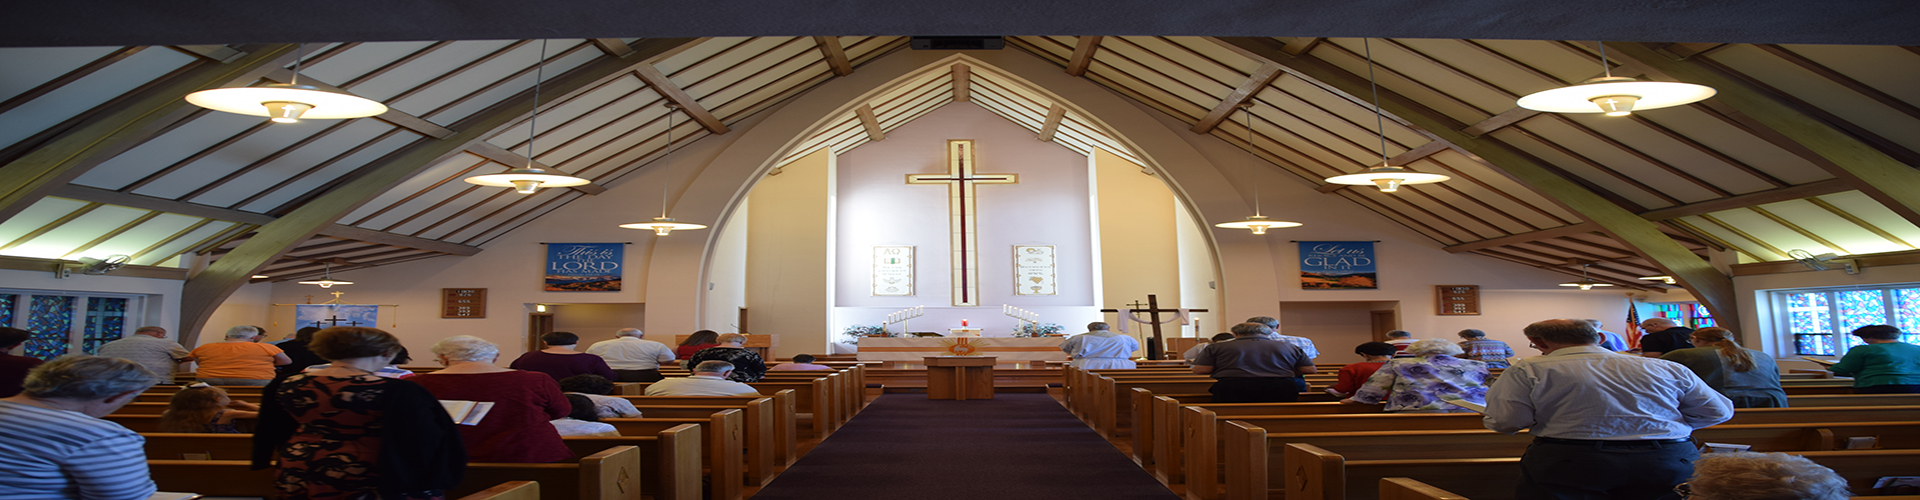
709	379
584	421
803	362
205	408
1761	476
1373	355
597	388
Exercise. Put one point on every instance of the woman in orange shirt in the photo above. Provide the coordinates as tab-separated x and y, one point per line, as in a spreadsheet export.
238	361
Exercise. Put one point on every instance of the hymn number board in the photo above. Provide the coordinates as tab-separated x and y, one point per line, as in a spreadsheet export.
463	303
1457	300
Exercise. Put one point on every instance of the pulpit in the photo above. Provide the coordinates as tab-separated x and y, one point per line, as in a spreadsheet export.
960	377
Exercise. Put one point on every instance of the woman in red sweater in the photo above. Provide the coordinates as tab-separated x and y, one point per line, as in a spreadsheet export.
1354	375
694	343
516	430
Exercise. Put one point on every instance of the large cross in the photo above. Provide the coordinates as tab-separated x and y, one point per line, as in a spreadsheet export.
1153	309
960	180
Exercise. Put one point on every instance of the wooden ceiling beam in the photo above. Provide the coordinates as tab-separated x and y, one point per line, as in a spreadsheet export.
1802	191
140	117
612	47
1714	289
870	122
962	83
511	159
204	293
1083	50
1260	79
1885	179
659	82
1412	155
97	195
1301	45
393	115
836	55
1055	114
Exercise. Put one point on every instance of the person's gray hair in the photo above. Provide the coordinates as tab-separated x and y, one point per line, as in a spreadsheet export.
1472	334
1596	323
1250	329
1399	334
1266	320
1098	326
1564	332
1764	476
629	332
86	378
1434	347
242	332
466	348
713	366
732	338
1660	322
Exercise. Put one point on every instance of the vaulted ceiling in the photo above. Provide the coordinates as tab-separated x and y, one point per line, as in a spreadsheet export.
1806	147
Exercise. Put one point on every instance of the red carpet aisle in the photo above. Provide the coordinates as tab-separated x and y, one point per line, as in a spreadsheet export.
1015	446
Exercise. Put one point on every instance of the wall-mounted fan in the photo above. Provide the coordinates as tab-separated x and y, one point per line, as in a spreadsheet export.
1821	262
90	265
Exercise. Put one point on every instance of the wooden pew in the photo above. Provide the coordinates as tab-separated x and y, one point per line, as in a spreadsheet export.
756	431
811	399
1401	488
785	422
612	474
722	438
670	458
510	490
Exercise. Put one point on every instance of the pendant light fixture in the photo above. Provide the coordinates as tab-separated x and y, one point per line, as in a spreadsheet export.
529	179
287	102
1388	177
326	280
1662	278
663	224
1258	223
1614	95
1586	282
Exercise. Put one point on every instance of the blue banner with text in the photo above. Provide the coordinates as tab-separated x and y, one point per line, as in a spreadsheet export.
584	267
1337	265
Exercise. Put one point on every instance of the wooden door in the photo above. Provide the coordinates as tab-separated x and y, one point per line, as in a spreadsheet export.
538	324
1383	322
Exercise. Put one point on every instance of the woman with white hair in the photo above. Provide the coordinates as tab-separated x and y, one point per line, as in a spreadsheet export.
516	430
58	447
1425	382
1761	476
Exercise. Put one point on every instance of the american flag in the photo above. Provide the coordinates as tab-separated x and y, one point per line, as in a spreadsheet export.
1632	330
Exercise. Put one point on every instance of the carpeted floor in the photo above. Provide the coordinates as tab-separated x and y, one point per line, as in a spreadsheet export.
1014	446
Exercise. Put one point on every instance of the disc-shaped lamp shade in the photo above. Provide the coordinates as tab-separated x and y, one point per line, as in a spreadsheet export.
327	282
287	103
1389	179
1259	224
1615	96
1585	283
527	180
662	225
1663	279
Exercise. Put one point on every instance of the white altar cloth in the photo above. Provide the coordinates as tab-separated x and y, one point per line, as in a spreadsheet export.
1006	348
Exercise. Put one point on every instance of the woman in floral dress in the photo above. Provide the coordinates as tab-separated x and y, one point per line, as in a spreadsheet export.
342	432
747	365
1424	382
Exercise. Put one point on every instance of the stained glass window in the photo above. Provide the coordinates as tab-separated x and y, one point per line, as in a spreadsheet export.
106	320
1858	308
6	308
1702	318
50	319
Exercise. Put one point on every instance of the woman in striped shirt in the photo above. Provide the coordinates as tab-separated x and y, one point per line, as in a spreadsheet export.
58	447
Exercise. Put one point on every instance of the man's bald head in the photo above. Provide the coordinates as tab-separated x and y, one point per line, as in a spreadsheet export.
1652	325
1556	333
152	331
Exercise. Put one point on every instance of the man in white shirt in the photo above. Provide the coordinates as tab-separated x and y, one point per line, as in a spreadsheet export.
1100	349
1604	424
633	358
709	379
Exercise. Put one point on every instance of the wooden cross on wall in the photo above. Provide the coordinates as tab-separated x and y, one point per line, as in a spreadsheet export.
1155	348
960	180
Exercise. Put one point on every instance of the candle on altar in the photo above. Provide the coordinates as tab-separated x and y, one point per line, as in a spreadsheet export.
963	323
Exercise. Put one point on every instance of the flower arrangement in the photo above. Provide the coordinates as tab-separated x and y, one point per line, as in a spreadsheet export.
1038	329
853	333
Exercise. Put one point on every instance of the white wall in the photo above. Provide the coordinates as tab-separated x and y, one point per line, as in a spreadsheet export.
788	244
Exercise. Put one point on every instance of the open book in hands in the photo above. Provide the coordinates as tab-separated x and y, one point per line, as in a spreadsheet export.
466	412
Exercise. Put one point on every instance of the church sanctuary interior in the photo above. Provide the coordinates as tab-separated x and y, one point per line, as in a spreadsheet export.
833	179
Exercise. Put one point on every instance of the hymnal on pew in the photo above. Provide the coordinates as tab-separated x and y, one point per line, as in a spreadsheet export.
466	412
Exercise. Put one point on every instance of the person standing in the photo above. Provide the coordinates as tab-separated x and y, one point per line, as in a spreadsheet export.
58	447
297	351
1400	340
1372	356
559	360
1746	376
1100	349
1612	341
1884	366
1663	336
239	360
1424	383
516	430
149	347
1305	344
1253	368
13	369
1604	424
1477	347
698	341
633	357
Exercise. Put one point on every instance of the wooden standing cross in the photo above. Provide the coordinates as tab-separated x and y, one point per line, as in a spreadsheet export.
960	180
1153	310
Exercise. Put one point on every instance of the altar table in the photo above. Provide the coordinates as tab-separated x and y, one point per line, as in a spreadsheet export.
1008	349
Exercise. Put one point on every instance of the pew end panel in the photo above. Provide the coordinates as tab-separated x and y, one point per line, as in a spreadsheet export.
611	474
1317	474
1246	475
1203	459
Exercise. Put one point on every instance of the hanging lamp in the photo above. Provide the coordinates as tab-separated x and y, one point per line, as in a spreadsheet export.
326	280
1586	282
1387	177
1614	95
1258	223
287	102
529	179
663	224
1662	278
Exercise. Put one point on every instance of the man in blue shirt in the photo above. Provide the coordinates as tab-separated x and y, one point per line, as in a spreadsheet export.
1612	341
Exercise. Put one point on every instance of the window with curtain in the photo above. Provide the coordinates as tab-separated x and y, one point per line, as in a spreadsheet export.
1820	320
